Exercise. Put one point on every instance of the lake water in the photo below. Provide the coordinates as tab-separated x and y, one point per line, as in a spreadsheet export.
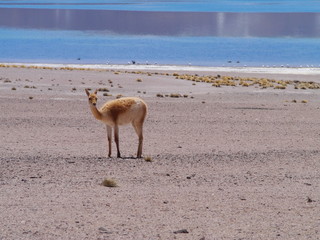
209	33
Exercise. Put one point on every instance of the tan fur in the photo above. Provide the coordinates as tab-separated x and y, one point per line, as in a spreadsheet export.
117	107
119	112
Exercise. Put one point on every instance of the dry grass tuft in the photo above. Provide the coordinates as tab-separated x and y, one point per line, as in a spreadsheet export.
280	87
103	89
233	81
109	183
175	95
148	159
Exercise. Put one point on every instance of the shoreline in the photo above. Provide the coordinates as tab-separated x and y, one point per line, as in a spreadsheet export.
153	67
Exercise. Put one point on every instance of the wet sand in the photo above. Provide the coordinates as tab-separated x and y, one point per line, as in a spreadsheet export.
227	162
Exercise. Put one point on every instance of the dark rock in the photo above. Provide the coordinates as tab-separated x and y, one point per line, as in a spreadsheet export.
181	231
310	200
103	230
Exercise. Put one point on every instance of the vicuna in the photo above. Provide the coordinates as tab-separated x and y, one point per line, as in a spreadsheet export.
120	112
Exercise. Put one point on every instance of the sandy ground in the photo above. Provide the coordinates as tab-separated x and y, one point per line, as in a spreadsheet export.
228	163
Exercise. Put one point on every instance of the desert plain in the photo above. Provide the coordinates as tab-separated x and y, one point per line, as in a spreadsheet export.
220	162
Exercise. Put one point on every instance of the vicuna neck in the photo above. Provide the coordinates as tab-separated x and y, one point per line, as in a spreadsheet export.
95	112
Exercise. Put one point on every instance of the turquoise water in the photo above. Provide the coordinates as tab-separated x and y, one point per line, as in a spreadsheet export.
210	33
174	5
68	47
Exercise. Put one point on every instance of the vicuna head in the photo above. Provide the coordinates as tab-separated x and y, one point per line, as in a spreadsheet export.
92	97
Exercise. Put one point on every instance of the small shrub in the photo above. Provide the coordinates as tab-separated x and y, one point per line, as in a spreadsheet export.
245	84
175	95
13	89
103	89
280	87
148	159
139	80
109	183
159	95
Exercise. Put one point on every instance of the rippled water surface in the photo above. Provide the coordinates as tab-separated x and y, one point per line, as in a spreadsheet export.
168	32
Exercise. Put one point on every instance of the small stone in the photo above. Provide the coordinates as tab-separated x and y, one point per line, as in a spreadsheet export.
103	230
181	231
310	200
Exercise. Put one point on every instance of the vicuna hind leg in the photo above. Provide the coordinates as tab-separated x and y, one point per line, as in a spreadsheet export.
116	138
138	128
109	133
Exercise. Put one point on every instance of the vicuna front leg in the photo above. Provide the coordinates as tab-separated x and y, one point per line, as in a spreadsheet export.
116	139
109	133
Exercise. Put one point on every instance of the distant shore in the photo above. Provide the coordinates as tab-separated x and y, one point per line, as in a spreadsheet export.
149	67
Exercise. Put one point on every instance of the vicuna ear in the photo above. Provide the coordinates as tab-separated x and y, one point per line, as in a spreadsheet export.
96	91
87	92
